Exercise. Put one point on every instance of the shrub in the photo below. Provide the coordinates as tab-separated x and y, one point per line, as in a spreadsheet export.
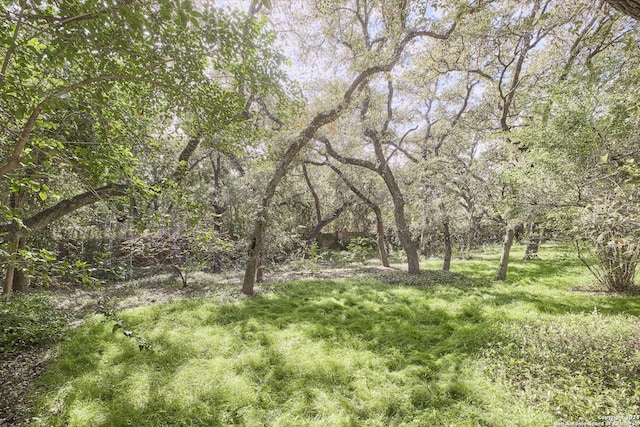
27	321
611	230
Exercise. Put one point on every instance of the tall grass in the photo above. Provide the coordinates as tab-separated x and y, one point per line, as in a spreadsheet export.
359	352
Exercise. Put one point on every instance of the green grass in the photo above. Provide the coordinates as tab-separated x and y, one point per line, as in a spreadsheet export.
359	352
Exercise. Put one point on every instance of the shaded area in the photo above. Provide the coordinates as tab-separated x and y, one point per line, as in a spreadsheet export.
319	352
350	352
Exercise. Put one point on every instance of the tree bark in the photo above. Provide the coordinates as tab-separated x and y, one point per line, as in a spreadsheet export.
260	269
628	7
413	260
504	258
448	250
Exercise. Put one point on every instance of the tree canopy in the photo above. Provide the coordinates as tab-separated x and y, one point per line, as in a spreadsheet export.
430	127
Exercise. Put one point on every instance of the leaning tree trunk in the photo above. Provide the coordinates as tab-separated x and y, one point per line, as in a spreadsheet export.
504	258
313	235
628	7
413	260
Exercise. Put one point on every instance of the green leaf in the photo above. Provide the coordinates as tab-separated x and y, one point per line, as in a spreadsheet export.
43	195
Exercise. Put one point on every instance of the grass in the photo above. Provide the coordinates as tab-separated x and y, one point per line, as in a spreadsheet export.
358	352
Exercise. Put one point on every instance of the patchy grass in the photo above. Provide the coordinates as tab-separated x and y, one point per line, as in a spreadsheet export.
423	278
358	352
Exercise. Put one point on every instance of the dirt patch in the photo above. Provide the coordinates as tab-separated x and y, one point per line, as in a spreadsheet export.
18	376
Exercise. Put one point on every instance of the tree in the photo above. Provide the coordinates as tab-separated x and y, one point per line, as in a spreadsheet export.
587	127
381	166
84	83
377	55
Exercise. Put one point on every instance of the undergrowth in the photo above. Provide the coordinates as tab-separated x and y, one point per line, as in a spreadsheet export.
435	349
582	366
422	278
27	321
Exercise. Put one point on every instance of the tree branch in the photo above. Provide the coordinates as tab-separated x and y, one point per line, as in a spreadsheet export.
347	160
23	138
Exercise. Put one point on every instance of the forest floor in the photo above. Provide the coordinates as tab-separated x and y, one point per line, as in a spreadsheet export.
20	372
338	346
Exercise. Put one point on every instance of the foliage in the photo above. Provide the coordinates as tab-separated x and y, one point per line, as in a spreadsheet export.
28	321
360	249
45	269
611	231
358	351
582	366
122	325
179	251
92	91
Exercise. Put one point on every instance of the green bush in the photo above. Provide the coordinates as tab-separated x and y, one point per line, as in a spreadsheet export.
361	248
27	321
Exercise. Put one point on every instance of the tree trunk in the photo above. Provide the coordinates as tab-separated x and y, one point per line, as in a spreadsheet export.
313	235
20	278
470	240
413	260
219	210
382	244
504	258
446	265
14	241
533	243
260	269
257	243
